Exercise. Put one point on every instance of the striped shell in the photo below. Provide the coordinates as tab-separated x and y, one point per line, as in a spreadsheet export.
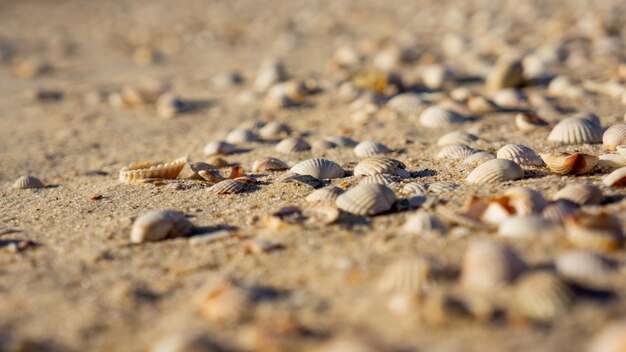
406	275
414	189
219	147
616	178
268	164
228	187
370	199
159	225
28	181
497	170
241	135
326	195
380	165
456	137
487	265
478	158
602	232
611	339
509	98
525	201
542	296
614	136
426	224
442	187
406	104
584	267
318	168
342	141
565	163
520	154
558	210
380	179
370	148
292	146
152	170
526	122
526	226
611	162
455	152
577	130
581	194
438	117
274	130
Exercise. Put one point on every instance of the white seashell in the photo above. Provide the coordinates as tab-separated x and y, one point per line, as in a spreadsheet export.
526	226
526	122
414	189
616	178
370	148
342	141
488	265
228	187
520	154
268	164
241	135
610	162
407	275
564	163
438	117
270	72
152	170
610	339
274	130
558	210
541	296
219	147
318	168
456	137
406	104
614	136
28	181
370	199
581	194
602	232
478	158
159	225
326	195
509	98
426	224
380	165
381	179
583	267
442	187
577	130
292	146
507	73
455	152
497	170
434	76
525	201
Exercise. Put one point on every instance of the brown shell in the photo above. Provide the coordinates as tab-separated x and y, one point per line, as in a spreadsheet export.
152	170
565	163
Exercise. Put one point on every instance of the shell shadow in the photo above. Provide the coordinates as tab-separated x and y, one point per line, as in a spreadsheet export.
423	173
204	230
191	106
613	199
350	220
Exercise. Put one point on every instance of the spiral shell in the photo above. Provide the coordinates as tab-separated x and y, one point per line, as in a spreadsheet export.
437	117
381	179
455	152
541	296
526	226
274	130
565	163
602	232
219	147
577	130
478	158
610	339
497	170
426	224
326	195
370	199
318	168
152	170
292	146
583	267
527	122
407	275
456	137
616	178
241	135
28	181
487	265
228	187
159	225
520	154
581	194
380	165
370	148
269	164
406	104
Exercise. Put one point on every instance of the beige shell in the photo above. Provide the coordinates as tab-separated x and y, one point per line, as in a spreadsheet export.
274	130
381	179
480	105
219	147
370	199
577	130
614	136
456	137
610	339
183	341
159	225
581	194
268	164
228	187
406	275
488	265
169	105
241	135
563	86
460	94
507	73
414	189
366	149
292	146
152	170
28	181
270	72
526	226
406	104
437	117
478	158
616	178
435	76
346	57
602	232
326	195
525	201
611	162
542	296
558	210
380	165
520	154
455	152
509	98
527	122
423	223
583	267
497	170
318	168
283	95
565	163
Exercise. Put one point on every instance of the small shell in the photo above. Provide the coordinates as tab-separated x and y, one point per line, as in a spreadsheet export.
563	86
380	165
525	201
322	214
319	168
581	194
602	232
366	149
611	162
520	154
268	164
283	95
616	178
380	179
159	225
478	158
241	135
455	152
326	195
28	181
456	137
219	147
611	339
228	187
438	117
583	267
169	105
342	141
406	104
292	146
527	226
434	76
558	210
407	275
368	199
564	163
152	170
497	170
577	130
414	189
541	296
614	136
509	98
270	72
480	105
526	122
487	265
507	73
426	224
274	130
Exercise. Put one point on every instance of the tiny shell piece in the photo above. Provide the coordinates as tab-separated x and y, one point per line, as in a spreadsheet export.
481	105
564	163
526	122
159	225
437	117
602	232
610	339
542	296
497	170
28	181
614	136
152	170
407	275
581	194
577	130
455	152
380	165
520	154
268	164
456	137
434	76
423	223
326	195
169	105
616	178
219	147
292	146
271	71
319	168
406	104
366	149
584	267
240	135
527	226
487	265
228	187
369	199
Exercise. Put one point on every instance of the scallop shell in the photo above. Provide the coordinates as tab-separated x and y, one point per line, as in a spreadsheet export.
558	210
525	201
380	165
526	226
478	158
616	178
455	152
487	265
370	199
581	194
526	122
584	267
342	141
610	162
28	181
438	117
456	137
541	296
366	149
269	164
602	232
611	339
509	98
497	170
219	147
292	146
326	195
241	135
520	154
318	168
159	225
274	130
426	224
414	189
406	104
614	136
152	170
228	187
407	275
565	163
577	130
507	73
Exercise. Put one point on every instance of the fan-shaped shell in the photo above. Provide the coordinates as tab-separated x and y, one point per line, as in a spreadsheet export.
520	154
423	223
455	152
497	170
370	148
240	135
381	179
326	195
611	339
292	146
541	296
584	267
601	232
565	163
487	265
380	165
616	178
614	136
28	181
456	137
319	168
269	164
438	117
581	194
274	130
576	130
370	199
152	170
526	226
283	95
219	147
414	189
407	275
406	104
478	158
228	187
558	210
526	122
158	225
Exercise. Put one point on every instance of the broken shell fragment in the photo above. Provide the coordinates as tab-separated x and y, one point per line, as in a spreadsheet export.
28	181
159	225
369	199
437	117
228	187
366	149
541	296
292	146
268	164
581	194
526	122
219	147
520	154
326	195
525	201
577	130
565	163
380	165
488	265
319	168
602	232
152	170
497	170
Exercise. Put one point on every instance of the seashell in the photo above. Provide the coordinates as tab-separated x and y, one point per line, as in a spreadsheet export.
346	57
558	210
342	141
460	94
438	117
370	199
602	232
610	162
520	154
581	194
488	265
442	187
577	130
185	342
565	163
526	226
274	130
322	145
529	122
246	180
610	339
525	201
380	179
228	187
434	76
283	95
478	158
407	275
406	104
306	180
200	166
268	164
583	267
542	296
455	152
159	225
414	189
28	181
507	73
270	72
226	303
563	86
509	98
152	170
216	175
480	105
426	224
292	146
380	165
614	136
326	195
456	137
169	105
370	148
240	135
318	168
219	147
497	170
616	178
322	214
